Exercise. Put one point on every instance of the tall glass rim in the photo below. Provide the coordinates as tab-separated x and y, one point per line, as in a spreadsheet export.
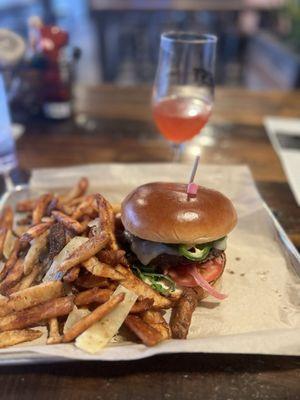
188	37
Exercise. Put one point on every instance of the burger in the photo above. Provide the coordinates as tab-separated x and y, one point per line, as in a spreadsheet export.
177	240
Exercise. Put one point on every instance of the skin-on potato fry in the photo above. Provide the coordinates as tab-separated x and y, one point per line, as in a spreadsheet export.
182	314
34	232
95	267
25	282
83	253
68	222
30	297
7	217
146	333
77	191
90	319
13	276
112	257
54	335
40	208
10	338
94	295
40	313
141	306
107	219
157	321
83	207
72	275
11	261
9	243
139	287
88	281
32	256
3	233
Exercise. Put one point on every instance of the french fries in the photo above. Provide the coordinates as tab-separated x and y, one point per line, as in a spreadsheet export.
54	336
182	314
37	314
10	338
34	232
90	319
30	297
40	208
94	295
148	335
84	252
32	256
95	267
68	222
65	254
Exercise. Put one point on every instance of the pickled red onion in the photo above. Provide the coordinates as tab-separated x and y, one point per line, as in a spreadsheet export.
204	284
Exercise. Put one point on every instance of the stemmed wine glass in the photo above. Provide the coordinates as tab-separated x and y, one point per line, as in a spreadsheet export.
183	91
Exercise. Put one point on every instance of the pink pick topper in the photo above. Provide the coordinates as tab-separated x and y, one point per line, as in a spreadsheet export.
192	188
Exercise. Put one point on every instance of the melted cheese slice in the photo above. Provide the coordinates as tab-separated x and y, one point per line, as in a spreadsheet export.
98	335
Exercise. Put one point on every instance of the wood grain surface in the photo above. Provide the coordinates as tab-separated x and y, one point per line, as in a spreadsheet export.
115	124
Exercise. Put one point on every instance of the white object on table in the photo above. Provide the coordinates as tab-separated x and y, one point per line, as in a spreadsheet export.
284	134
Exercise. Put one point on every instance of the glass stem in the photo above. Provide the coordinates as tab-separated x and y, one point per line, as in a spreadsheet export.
177	151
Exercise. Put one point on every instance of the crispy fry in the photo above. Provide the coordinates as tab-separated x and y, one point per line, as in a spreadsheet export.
83	207
107	219
54	335
26	205
6	223
77	200
11	338
77	191
157	321
141	305
32	256
40	208
11	261
113	257
88	281
94	295
34	232
139	287
42	312
68	222
95	267
25	282
72	275
83	252
95	316
3	233
13	276
182	314
7	216
30	297
9	244
148	335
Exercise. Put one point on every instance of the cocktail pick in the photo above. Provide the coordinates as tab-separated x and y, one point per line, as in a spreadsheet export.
192	187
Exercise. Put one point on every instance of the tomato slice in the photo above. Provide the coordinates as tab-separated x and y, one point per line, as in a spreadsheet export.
210	271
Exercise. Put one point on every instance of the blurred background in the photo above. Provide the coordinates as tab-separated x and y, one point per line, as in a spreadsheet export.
259	40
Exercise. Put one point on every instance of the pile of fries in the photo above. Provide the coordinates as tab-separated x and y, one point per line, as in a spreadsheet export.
61	267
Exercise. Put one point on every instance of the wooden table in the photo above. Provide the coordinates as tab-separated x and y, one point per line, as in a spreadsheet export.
115	125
